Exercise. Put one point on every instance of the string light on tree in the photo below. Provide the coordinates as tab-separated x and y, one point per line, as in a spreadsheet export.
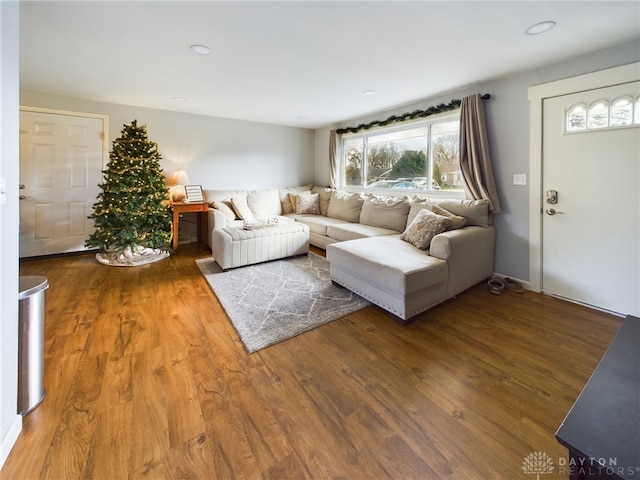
132	214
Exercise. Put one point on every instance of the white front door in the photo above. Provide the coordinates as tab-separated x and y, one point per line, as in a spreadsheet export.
61	163
591	236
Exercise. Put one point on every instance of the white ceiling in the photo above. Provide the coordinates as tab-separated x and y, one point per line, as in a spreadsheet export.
298	63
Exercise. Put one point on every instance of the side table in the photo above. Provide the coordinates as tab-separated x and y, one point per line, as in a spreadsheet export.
203	222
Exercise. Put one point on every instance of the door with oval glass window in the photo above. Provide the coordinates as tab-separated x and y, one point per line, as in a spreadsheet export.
591	199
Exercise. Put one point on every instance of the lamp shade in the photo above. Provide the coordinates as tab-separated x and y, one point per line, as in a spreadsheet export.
179	177
177	182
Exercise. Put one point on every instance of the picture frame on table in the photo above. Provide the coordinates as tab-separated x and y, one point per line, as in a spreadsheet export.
193	194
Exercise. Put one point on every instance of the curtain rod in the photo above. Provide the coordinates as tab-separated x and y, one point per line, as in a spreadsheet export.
443	107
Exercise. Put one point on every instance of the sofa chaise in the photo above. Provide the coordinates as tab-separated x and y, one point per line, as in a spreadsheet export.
404	254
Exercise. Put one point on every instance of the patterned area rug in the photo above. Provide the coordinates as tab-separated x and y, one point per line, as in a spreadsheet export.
273	301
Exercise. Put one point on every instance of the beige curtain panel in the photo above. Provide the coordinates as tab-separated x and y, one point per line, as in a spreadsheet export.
334	157
475	158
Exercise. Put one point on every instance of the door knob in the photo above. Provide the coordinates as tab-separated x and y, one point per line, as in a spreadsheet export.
553	211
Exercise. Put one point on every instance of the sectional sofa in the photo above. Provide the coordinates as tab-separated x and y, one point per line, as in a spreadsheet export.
404	254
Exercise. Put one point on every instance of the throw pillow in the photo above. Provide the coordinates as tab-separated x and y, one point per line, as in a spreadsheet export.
225	207
286	201
241	208
294	200
424	227
308	203
345	206
456	220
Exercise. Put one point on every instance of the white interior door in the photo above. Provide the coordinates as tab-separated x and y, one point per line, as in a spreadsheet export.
591	245
61	163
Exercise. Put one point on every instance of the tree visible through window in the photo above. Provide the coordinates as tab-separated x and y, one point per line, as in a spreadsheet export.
422	156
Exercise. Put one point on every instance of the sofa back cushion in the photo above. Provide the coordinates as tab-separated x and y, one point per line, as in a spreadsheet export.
385	212
264	203
226	195
345	206
325	197
475	212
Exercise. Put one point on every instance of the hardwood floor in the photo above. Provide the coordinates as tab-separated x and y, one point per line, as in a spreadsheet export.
146	378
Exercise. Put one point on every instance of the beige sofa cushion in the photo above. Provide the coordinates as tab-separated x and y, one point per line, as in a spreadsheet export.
345	206
325	197
318	224
264	203
385	212
352	231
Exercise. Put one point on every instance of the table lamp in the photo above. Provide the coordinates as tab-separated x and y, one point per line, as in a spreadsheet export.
177	182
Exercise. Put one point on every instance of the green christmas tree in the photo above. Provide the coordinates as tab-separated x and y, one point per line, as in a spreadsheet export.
133	208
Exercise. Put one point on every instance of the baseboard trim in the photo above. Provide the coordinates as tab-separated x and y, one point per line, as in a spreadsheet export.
9	440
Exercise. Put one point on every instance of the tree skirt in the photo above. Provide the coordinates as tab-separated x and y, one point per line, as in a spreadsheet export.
273	301
132	257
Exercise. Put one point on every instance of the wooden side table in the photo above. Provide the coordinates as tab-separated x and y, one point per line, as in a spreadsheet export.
203	224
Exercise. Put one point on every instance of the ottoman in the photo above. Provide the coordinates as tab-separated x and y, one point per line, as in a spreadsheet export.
235	247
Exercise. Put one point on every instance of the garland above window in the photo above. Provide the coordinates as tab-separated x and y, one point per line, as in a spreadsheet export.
443	107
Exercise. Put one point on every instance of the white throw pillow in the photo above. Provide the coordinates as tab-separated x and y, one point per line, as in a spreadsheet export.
424	227
241	208
225	207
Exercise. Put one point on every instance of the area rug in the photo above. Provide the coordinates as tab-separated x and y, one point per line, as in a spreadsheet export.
274	301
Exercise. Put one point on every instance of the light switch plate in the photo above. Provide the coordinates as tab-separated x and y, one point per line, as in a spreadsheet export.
519	178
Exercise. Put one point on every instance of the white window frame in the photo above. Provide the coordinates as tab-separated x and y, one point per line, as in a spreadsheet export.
407	125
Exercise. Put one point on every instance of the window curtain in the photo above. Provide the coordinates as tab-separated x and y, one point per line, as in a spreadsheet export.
475	158
334	157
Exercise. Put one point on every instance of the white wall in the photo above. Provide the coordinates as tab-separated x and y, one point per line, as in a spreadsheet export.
10	421
508	120
215	152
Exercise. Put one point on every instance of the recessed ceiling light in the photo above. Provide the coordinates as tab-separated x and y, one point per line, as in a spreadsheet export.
200	49
541	27
369	92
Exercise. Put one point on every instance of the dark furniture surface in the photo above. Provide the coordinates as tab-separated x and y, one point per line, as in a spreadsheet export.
602	429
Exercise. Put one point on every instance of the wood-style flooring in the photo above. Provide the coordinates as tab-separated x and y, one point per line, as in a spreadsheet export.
147	378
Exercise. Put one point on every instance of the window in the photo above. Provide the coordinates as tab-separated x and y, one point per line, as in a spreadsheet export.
621	112
421	156
598	115
577	118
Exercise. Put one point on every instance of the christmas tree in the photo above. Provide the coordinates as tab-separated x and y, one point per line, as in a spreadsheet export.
132	216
